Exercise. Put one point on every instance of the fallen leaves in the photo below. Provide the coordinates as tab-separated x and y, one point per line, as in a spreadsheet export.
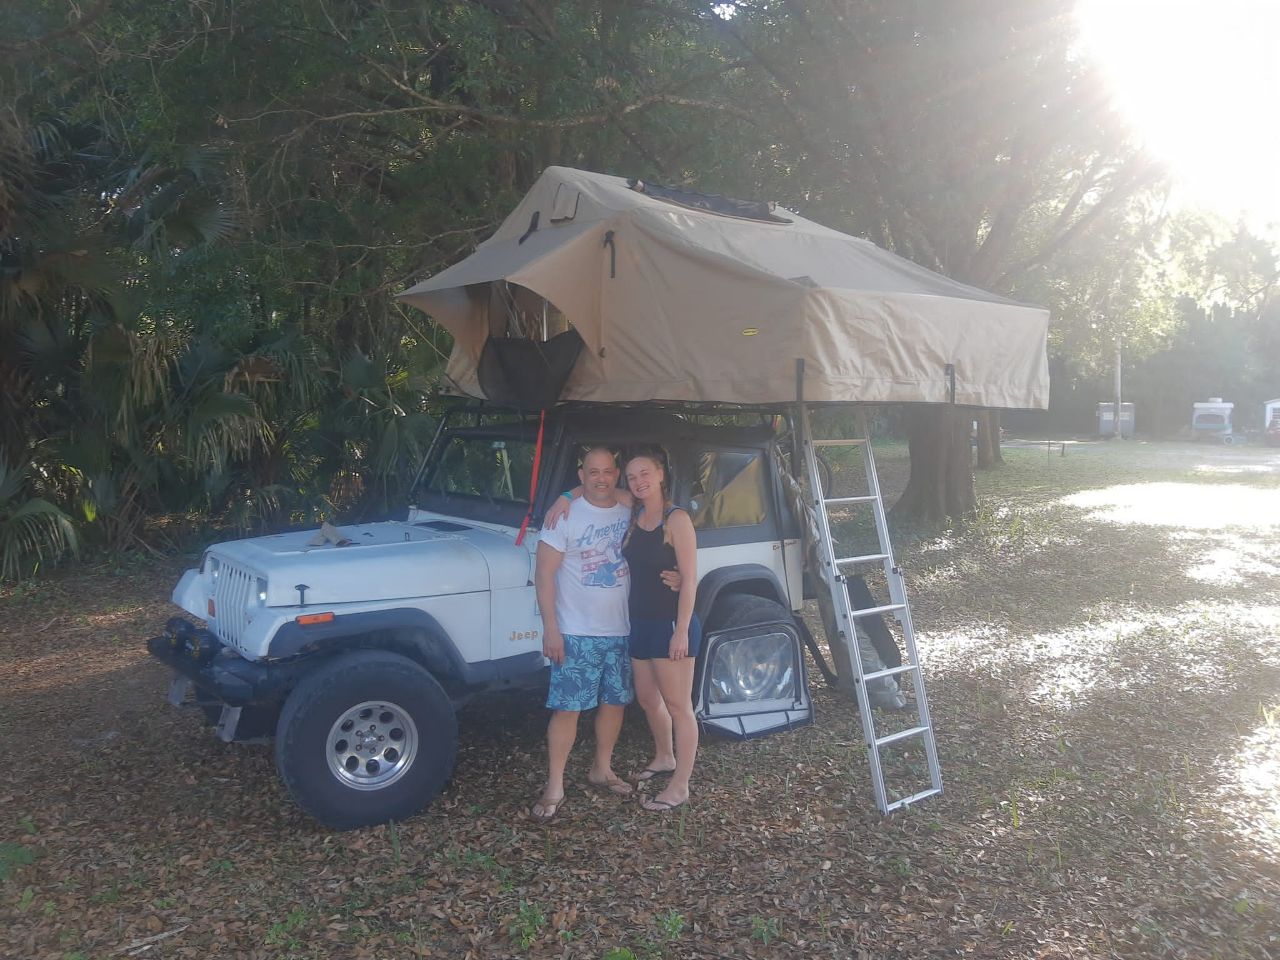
1121	721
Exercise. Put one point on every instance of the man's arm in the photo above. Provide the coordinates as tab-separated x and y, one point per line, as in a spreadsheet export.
544	584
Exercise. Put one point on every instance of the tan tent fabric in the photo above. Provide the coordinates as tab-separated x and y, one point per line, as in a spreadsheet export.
686	304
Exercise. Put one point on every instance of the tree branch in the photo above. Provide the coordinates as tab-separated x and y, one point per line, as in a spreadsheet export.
436	106
1137	173
70	30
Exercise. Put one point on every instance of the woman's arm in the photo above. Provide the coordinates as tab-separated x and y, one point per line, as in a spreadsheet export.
685	541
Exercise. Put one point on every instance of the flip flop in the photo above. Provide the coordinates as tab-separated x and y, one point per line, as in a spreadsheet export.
549	809
662	806
650	773
617	786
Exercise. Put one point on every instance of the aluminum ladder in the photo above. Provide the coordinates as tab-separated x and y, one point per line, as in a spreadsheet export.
834	578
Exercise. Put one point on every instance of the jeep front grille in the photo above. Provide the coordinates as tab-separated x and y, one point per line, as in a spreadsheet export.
232	592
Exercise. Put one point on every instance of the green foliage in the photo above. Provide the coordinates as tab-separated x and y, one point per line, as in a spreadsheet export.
671	924
282	933
206	208
765	929
1219	352
528	924
32	530
12	857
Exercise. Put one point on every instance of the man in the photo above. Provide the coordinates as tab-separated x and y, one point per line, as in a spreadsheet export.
581	582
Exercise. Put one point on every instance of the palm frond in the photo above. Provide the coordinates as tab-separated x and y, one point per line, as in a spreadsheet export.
221	424
360	373
32	530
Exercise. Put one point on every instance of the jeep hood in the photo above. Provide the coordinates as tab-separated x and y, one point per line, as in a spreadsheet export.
383	561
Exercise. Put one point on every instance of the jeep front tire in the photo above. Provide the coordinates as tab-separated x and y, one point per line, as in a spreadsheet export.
366	738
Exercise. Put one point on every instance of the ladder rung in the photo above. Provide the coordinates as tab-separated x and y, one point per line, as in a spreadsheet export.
872	611
913	798
901	735
838	443
863	559
850	500
890	671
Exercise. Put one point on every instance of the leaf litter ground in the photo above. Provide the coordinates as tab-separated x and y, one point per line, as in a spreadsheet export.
1102	648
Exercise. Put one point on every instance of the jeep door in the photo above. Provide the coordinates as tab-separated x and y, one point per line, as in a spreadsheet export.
730	497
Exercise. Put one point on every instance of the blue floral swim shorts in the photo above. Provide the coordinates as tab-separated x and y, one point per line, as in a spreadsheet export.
595	670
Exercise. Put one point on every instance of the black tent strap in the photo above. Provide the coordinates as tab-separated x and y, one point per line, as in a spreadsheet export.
613	254
533	225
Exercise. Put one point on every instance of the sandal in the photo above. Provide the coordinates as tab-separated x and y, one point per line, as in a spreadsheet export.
616	786
651	773
549	809
662	806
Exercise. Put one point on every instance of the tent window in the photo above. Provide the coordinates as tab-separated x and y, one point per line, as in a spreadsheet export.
516	311
709	202
729	490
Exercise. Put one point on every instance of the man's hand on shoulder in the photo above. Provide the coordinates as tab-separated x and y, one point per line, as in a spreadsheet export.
556	512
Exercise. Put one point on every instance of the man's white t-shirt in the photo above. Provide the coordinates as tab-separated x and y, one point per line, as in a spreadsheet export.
592	582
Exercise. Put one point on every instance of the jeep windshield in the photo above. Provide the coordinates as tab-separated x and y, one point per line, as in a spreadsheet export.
482	475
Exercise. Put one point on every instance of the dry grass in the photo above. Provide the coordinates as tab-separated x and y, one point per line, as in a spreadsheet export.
1102	651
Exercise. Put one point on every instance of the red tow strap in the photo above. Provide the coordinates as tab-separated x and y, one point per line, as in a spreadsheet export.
533	480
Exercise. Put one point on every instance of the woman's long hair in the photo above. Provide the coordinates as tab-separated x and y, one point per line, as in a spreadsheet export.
658	457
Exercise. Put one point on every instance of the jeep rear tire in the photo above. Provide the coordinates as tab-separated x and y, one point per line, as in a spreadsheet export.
366	738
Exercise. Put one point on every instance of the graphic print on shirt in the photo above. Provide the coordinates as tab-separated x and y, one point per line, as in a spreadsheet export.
602	563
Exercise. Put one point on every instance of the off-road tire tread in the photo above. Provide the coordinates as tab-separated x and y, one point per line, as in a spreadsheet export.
306	775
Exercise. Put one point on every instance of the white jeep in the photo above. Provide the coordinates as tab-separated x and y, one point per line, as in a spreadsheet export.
355	653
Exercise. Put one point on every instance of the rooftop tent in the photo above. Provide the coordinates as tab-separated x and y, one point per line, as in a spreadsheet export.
686	298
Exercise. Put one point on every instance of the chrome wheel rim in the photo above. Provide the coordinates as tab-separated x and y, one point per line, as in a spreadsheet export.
372	745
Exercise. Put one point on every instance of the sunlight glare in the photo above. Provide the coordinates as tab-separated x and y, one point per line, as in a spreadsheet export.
1200	82
1253	787
1193	506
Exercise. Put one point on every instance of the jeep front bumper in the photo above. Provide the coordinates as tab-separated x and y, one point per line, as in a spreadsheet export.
216	671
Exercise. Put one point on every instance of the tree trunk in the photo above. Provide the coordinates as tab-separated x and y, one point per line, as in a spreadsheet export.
989	455
941	480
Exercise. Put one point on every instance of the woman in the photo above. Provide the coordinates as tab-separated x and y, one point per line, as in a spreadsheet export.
665	634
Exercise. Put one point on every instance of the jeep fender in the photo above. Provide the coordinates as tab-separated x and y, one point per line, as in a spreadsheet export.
753	578
408	631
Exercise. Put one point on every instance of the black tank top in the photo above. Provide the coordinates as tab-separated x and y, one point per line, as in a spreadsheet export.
647	556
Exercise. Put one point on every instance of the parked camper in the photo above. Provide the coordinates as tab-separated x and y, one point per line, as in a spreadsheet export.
1212	419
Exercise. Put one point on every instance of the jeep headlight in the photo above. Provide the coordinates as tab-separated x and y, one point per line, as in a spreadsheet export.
262	591
215	567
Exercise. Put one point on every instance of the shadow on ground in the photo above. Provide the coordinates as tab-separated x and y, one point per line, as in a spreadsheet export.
1105	694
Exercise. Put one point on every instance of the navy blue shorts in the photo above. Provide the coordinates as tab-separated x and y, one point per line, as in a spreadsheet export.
651	639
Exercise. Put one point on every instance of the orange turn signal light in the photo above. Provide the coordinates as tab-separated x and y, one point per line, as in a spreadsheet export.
308	619
213	610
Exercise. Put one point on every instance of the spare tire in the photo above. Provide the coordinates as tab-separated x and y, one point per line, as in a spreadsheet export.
744	609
